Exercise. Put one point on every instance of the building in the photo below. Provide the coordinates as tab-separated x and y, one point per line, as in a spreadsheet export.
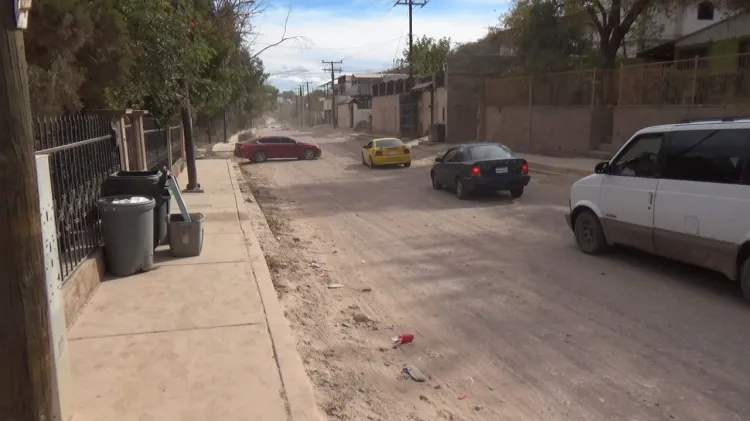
353	95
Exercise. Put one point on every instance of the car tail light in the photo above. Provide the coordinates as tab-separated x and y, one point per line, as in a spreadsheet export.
476	171
406	150
525	168
378	153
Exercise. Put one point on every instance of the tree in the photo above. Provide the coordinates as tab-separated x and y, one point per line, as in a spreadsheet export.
545	37
429	55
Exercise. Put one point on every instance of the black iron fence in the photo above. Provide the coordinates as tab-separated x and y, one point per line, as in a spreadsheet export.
175	138
157	144
83	152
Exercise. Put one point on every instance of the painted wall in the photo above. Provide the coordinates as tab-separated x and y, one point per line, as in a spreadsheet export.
385	115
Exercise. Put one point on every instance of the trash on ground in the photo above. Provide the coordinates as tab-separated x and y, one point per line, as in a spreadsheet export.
361	318
490	387
403	339
367	289
463	396
335	286
414	373
345	324
322	275
423	398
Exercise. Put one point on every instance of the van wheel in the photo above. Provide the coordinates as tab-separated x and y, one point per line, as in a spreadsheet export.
745	278
516	193
589	233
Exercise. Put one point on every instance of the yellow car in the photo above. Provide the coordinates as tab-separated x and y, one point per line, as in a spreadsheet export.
386	151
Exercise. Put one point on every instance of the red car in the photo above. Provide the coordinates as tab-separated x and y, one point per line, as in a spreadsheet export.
271	147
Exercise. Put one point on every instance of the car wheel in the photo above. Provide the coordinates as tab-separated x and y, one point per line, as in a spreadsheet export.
370	163
435	184
516	193
589	233
407	165
461	191
309	154
259	157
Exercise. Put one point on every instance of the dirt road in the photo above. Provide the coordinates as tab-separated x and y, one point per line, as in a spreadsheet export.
504	308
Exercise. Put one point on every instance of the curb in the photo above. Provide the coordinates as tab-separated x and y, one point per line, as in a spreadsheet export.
298	391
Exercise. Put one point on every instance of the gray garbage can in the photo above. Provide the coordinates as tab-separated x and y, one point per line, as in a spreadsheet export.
128	231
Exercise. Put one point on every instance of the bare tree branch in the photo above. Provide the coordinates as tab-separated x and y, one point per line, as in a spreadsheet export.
283	37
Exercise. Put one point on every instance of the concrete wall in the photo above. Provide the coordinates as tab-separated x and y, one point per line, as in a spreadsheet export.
628	120
554	130
385	115
441	104
425	108
343	114
361	115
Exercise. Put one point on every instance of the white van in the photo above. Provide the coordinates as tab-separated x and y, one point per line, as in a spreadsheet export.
679	190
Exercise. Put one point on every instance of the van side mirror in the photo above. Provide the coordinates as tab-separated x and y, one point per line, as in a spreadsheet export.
602	168
438	159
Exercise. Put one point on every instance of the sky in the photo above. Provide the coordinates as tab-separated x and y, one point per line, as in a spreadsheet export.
365	34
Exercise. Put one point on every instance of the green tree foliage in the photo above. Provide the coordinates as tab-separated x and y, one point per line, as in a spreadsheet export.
147	54
430	55
545	37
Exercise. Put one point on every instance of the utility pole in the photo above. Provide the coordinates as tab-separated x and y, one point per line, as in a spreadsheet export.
296	106
302	107
334	117
27	388
309	118
411	4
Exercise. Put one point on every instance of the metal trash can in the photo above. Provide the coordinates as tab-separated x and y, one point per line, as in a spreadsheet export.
128	231
143	183
186	238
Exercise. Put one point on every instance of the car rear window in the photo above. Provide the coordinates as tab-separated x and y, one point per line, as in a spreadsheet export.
388	143
493	151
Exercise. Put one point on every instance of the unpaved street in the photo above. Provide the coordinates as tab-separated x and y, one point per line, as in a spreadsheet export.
503	306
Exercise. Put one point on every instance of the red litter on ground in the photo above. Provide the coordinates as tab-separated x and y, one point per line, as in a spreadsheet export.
403	339
462	397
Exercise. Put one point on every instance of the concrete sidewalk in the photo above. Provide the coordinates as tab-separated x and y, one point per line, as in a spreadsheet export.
200	338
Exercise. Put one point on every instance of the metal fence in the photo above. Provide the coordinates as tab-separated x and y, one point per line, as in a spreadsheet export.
83	152
157	144
175	138
719	80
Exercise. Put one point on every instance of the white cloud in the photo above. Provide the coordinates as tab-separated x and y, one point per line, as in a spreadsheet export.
364	40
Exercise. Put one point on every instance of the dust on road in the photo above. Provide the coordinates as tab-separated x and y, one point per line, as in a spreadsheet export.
504	309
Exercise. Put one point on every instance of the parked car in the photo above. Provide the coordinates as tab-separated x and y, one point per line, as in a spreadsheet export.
480	167
679	190
386	151
272	147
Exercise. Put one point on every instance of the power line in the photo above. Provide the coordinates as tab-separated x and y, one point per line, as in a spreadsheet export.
372	44
411	4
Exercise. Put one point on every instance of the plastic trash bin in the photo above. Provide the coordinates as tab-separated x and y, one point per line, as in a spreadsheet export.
128	231
142	183
186	238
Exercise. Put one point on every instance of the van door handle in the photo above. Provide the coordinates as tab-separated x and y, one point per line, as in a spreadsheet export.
650	198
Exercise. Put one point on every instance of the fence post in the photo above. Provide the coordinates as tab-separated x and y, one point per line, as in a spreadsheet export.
695	80
593	89
140	140
531	106
117	118
58	333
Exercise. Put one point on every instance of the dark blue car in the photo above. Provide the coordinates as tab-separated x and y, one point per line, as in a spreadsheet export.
480	167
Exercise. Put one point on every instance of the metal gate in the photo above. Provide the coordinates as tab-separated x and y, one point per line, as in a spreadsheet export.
409	118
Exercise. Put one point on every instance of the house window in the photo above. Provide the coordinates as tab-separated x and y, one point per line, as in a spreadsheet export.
705	10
